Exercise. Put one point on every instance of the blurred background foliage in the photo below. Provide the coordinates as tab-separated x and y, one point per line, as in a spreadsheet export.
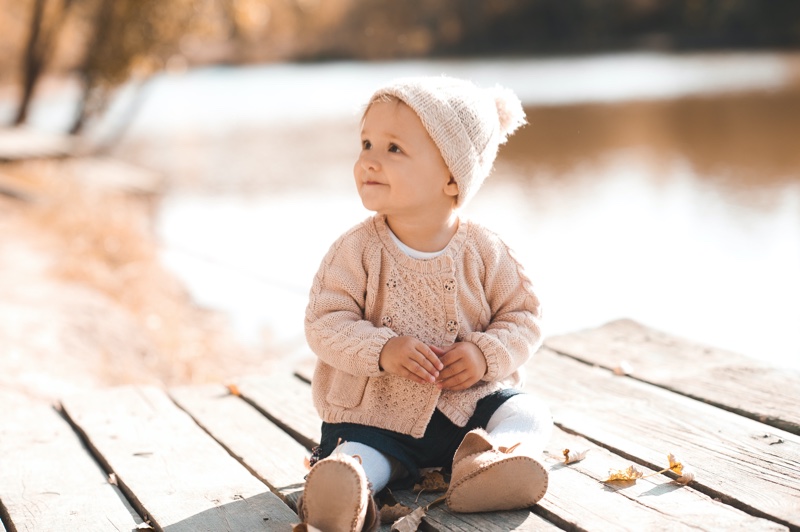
106	42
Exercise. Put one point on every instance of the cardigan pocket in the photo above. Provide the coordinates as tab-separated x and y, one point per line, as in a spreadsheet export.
347	390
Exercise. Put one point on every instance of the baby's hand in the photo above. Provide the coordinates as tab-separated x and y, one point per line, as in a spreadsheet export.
464	365
407	357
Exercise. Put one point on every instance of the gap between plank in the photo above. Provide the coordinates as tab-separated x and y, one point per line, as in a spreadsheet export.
695	485
273	489
124	490
5	518
302	439
766	420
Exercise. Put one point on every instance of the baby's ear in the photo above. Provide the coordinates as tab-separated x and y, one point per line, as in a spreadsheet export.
451	188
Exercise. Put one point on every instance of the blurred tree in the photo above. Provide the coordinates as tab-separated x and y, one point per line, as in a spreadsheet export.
42	33
107	42
128	37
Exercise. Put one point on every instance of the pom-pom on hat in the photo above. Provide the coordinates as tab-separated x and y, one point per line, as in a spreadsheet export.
466	122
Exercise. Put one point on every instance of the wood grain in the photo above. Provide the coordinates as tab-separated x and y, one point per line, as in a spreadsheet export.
578	497
728	380
286	400
48	482
266	450
743	462
295	408
174	471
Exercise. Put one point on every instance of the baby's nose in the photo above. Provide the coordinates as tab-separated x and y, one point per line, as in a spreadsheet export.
369	163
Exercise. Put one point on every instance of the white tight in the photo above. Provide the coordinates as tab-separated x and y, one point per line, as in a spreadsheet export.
522	419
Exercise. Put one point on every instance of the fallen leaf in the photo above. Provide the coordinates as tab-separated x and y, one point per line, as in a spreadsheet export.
432	481
390	514
574	456
623	368
234	390
674	464
410	522
624	474
685	475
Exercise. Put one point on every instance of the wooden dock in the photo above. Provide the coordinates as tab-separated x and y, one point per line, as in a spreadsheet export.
204	458
65	158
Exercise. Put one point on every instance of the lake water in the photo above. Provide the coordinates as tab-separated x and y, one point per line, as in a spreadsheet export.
661	188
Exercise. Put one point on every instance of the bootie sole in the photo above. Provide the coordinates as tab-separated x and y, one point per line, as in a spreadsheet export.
333	497
508	484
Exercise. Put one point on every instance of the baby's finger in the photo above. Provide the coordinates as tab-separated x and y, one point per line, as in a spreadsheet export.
414	374
431	355
423	360
453	379
451	360
426	374
438	351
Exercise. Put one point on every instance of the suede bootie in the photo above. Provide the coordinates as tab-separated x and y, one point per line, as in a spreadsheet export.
487	478
337	497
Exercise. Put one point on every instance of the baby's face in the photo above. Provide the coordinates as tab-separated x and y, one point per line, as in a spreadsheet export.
400	171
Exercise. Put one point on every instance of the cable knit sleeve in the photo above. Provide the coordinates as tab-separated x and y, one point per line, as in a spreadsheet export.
335	324
514	330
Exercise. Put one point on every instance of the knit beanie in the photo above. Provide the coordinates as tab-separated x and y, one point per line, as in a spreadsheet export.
466	122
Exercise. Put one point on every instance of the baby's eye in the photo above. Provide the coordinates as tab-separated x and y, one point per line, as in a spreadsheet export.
394	148
366	145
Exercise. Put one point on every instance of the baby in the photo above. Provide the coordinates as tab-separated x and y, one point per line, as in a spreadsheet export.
422	320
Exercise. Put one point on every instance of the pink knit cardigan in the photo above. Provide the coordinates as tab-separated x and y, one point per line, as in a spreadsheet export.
368	291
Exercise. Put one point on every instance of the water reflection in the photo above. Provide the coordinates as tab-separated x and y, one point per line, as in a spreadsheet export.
739	140
682	213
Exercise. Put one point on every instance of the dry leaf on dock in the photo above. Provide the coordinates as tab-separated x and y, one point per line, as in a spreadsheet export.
623	475
390	514
574	456
675	465
685	475
623	368
432	481
410	522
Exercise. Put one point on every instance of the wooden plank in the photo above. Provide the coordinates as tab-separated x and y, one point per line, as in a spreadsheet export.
578	498
23	143
109	173
289	399
285	400
48	482
441	519
712	375
169	467
740	461
263	447
686	506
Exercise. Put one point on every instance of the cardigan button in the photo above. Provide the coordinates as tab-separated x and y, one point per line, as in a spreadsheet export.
386	321
450	285
452	326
